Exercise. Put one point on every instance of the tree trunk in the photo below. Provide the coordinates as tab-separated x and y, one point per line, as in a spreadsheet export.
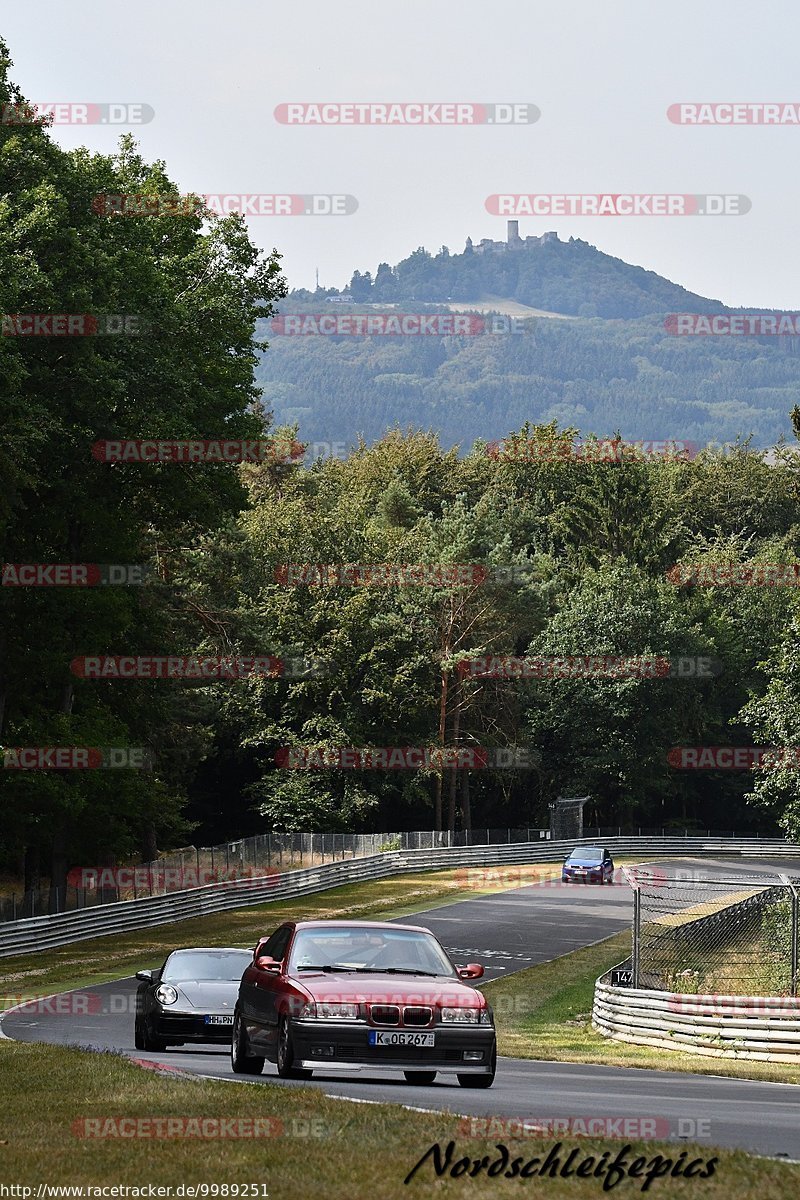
3	684
437	815
149	843
466	804
58	871
451	808
32	874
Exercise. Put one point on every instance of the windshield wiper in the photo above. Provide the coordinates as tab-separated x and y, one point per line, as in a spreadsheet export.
329	967
402	971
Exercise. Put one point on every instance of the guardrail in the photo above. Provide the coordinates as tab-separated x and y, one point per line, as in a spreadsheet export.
766	1028
42	933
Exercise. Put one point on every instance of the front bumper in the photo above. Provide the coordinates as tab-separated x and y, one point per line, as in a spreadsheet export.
190	1027
342	1046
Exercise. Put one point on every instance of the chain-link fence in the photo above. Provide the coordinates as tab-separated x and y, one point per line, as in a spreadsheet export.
734	936
253	857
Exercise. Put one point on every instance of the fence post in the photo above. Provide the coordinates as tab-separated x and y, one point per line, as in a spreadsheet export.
637	921
795	914
794	932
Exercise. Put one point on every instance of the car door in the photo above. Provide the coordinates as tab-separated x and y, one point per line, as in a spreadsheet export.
260	1008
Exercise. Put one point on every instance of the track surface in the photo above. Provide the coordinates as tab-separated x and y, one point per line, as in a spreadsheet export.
507	932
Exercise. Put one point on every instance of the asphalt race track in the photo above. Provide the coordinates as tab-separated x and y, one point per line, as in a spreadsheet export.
507	932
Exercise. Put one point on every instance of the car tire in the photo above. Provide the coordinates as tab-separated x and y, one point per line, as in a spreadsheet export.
148	1039
285	1054
243	1063
480	1081
422	1078
138	1035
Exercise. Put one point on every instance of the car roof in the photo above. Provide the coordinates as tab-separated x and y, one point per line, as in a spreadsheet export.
358	925
210	950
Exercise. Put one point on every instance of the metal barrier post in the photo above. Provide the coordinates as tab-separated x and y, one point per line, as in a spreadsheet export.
795	915
637	922
794	933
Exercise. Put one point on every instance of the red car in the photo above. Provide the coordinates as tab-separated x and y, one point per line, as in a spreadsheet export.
360	996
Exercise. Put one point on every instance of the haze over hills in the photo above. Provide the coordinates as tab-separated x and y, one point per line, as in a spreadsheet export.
610	362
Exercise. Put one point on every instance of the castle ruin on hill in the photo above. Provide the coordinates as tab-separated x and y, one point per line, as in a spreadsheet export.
513	240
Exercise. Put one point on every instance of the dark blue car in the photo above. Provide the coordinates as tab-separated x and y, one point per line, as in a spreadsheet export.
588	864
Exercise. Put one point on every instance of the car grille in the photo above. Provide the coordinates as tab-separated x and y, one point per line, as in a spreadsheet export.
417	1015
385	1014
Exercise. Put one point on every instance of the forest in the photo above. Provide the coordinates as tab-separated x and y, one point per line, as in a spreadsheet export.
369	583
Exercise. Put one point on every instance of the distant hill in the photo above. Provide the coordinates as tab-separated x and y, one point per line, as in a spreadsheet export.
608	364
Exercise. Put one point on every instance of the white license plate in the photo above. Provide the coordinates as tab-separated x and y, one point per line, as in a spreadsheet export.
220	1019
381	1037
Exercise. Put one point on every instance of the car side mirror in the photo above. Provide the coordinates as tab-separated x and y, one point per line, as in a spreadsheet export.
265	963
470	971
145	976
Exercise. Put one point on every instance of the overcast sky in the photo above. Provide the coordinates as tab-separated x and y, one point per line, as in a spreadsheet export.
603	76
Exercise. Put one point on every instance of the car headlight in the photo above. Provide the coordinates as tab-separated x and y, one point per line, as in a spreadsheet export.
486	1017
336	1012
166	994
460	1016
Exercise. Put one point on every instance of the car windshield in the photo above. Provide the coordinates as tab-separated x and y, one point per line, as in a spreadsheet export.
206	964
590	855
360	949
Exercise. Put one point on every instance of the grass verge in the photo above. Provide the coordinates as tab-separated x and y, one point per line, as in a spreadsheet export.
544	1012
319	1147
354	1150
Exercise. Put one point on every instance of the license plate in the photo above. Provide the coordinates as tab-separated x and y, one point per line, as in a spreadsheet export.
381	1037
220	1019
